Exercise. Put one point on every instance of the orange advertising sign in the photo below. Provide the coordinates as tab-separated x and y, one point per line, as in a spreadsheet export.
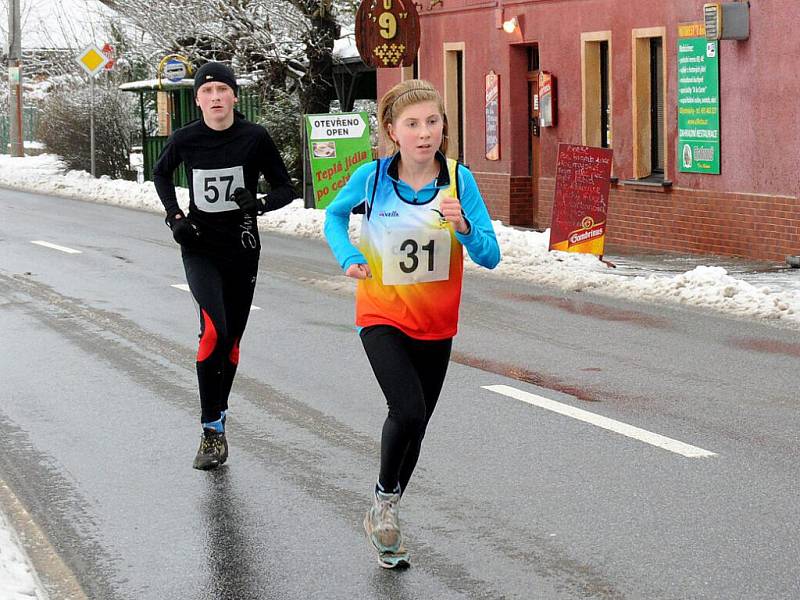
580	204
691	30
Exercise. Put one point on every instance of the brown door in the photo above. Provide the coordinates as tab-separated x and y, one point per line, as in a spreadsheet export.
533	144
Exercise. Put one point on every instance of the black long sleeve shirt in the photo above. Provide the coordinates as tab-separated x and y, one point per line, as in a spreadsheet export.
218	162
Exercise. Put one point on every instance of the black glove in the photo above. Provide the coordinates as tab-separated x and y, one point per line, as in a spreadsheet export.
184	231
246	201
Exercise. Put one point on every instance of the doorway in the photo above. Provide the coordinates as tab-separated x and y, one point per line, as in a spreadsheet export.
534	153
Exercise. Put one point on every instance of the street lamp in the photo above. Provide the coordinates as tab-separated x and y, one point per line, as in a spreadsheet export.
510	25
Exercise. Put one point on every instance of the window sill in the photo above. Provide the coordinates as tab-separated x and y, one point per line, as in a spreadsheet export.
650	183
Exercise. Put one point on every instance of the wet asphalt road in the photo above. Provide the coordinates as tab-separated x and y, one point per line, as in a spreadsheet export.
98	407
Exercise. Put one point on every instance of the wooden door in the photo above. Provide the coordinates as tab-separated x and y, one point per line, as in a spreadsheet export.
533	144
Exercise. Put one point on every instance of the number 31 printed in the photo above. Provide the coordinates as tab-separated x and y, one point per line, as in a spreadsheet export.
411	248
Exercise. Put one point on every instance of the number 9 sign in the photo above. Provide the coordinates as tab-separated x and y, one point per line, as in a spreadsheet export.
387	32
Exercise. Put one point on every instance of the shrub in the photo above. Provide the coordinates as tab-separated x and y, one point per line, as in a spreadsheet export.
64	129
282	118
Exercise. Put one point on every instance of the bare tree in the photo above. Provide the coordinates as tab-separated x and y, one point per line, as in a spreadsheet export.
52	33
52	38
287	43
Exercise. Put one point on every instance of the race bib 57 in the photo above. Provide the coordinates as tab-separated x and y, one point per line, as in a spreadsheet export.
213	188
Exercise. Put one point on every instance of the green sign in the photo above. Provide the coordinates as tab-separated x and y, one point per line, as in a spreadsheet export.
698	105
338	143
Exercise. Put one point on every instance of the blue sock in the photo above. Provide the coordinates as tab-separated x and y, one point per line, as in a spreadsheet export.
217	426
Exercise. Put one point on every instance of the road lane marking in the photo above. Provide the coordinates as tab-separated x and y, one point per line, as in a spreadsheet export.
630	431
185	288
56	247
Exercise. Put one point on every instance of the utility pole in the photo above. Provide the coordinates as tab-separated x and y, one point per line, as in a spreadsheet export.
15	79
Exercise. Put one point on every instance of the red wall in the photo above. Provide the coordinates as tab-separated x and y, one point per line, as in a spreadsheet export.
759	91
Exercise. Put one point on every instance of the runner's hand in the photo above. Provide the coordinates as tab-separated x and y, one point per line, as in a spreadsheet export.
451	210
246	201
184	231
358	271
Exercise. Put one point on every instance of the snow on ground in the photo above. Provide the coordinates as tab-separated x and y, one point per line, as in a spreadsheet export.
525	254
17	577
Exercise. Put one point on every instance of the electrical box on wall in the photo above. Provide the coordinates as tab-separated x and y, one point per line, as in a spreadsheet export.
727	20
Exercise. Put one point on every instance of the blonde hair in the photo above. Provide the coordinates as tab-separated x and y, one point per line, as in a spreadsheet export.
403	95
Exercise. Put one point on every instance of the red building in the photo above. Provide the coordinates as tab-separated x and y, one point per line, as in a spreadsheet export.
625	79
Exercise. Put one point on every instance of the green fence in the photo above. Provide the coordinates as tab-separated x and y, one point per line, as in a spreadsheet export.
30	127
151	150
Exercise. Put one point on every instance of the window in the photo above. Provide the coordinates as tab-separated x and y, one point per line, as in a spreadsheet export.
650	158
605	97
656	107
454	98
596	79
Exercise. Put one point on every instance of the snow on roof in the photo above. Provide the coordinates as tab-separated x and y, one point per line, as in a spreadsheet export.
166	84
345	47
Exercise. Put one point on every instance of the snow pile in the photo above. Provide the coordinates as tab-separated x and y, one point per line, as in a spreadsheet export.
17	579
712	287
525	254
46	173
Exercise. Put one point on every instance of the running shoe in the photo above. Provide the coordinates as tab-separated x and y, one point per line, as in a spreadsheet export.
213	450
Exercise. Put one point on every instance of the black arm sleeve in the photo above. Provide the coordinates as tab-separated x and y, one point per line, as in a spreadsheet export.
281	189
162	177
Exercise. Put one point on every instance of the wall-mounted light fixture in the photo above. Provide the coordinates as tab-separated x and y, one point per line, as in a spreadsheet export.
511	25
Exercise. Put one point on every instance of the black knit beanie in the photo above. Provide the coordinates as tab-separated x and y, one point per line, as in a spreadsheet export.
214	71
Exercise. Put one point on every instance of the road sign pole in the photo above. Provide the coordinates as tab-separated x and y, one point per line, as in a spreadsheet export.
91	125
93	61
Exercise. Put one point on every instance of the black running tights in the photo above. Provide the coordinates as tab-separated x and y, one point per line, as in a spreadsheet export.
223	289
411	373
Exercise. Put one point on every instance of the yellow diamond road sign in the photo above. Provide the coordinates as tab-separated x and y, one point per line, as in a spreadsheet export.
92	60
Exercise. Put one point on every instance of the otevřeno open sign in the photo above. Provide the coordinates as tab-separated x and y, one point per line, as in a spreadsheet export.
336	127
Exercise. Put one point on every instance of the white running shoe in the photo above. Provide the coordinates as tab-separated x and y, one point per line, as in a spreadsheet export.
382	523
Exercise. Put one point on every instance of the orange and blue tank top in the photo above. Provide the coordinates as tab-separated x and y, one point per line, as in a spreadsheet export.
414	254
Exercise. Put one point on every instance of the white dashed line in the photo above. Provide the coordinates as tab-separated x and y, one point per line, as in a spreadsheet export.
185	288
630	431
55	247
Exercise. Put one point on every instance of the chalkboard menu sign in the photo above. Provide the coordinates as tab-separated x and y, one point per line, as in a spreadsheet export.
492	116
580	203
